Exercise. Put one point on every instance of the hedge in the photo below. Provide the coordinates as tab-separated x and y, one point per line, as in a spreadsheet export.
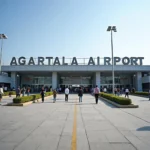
9	93
117	99
29	98
142	93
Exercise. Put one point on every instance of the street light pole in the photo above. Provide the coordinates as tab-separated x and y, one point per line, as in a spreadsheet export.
112	54
112	28
2	36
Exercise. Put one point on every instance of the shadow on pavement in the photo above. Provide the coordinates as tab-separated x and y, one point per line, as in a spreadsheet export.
146	128
108	104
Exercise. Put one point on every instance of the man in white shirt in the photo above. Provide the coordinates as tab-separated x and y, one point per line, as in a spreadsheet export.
66	94
127	92
105	90
1	92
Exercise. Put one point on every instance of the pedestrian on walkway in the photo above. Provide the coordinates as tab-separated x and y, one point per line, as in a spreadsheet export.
18	92
42	94
149	94
105	90
127	92
115	91
1	92
118	91
23	91
54	96
96	93
80	94
66	94
28	91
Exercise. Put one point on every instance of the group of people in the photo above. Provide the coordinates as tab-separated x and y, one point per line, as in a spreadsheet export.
119	92
22	91
95	91
79	92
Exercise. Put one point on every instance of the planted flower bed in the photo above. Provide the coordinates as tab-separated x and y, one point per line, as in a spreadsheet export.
117	99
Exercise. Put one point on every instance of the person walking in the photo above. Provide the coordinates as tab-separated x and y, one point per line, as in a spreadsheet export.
42	94
105	90
18	92
115	91
28	91
127	92
66	94
96	93
118	91
80	94
1	93
23	91
54	96
149	94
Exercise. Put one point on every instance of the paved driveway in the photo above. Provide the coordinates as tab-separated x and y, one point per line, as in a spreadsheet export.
75	126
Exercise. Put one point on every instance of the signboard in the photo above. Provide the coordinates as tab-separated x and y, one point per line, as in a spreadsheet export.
75	61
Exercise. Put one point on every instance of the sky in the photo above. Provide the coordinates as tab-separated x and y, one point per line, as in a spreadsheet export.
74	28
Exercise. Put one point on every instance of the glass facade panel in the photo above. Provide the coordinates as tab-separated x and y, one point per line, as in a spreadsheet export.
75	80
41	80
36	83
47	80
120	81
36	80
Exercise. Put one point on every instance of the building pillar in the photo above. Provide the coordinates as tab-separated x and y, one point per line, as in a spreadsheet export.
13	80
54	80
138	81
98	78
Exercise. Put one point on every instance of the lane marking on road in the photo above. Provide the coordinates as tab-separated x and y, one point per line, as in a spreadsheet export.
74	133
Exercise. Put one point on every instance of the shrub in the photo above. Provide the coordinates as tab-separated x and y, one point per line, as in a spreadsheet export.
117	99
48	93
142	93
24	99
29	98
7	93
17	100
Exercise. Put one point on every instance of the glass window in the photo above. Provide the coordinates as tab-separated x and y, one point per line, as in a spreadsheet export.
47	80
35	80
41	80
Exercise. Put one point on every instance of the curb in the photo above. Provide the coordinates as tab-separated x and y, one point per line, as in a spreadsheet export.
118	105
27	103
19	104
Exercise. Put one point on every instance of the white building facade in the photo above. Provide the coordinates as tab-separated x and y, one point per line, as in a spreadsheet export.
73	72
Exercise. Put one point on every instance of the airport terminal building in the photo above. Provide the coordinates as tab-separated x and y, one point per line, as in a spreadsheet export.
74	72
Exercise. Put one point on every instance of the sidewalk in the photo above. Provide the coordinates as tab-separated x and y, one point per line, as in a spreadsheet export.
75	126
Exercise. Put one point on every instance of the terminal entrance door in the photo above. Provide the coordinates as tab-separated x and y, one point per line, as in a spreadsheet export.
74	82
74	87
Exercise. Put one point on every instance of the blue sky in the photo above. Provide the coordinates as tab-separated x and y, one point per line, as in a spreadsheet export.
74	28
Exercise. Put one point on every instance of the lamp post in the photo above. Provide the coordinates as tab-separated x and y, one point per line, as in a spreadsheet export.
112	28
2	36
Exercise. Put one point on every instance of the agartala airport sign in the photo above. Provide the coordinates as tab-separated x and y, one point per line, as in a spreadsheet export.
75	61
